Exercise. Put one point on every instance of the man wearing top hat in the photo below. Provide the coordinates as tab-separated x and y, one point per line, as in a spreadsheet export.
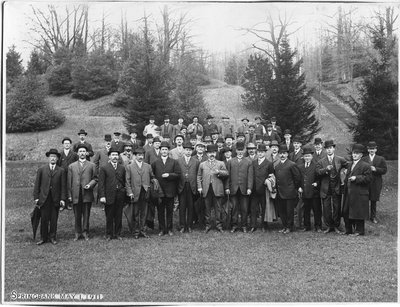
319	152
378	168
138	177
288	181
154	153
167	128
49	194
329	169
262	169
112	192
309	190
101	157
117	143
275	127
259	128
210	184
226	127
356	199
179	150
273	135
288	140
187	188
210	126
82	178
151	127
82	140
244	128
239	186
167	172
195	127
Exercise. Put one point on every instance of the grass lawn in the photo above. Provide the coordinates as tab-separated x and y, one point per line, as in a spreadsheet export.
198	267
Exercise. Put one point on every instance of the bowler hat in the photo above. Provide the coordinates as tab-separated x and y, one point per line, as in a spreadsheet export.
274	143
239	146
165	144
212	148
156	139
287	131
228	136
117	133
269	125
107	137
225	149
183	127
297	139
187	145
220	140
80	145
138	150
240	134
82	131
149	136
53	151
179	135
357	148
262	147
113	149
225	117
317	141
251	146
329	143
257	117
209	117
66	139
252	125
308	150
245	118
133	130
166	117
371	144
214	132
283	148
195	116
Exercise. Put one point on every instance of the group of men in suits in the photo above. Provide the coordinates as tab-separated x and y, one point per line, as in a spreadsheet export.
241	180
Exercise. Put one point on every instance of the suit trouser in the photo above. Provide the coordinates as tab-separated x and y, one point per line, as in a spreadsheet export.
300	211
49	215
211	200
286	212
140	213
331	210
313	204
82	210
255	200
186	207
373	209
114	215
165	210
353	224
199	208
151	212
240	206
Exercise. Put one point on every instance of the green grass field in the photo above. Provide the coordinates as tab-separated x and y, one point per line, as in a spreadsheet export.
198	267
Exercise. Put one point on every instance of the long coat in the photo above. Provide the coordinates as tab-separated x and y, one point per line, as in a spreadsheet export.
66	160
151	156
323	173
296	158
168	185
136	178
260	173
46	179
111	182
288	179
207	174
241	175
356	199
100	158
308	177
79	177
188	173
375	186
317	157
275	160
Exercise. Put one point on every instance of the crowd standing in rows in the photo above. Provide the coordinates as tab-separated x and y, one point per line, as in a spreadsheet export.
249	178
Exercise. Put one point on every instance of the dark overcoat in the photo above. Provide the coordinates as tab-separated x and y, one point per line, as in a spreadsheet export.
169	185
308	177
112	183
288	179
46	179
375	186
189	173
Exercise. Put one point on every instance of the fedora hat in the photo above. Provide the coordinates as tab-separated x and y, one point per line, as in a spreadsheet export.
297	139
80	145
113	149
187	145
82	131
283	148
165	144
329	143
357	148
371	144
274	143
66	139
317	141
308	150
156	139
212	148
53	151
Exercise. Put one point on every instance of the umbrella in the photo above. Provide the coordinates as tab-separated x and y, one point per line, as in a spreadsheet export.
128	211
35	219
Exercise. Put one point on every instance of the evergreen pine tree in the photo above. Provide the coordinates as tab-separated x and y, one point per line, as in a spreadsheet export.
289	99
14	68
234	71
378	114
36	64
59	75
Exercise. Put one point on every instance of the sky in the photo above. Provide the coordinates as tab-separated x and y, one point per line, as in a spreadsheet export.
215	25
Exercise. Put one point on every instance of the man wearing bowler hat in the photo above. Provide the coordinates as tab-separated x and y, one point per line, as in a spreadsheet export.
167	172
210	184
329	169
117	143
309	190
49	194
288	140
82	140
274	155
154	153
179	150
167	128
82	178
112	192
319	152
356	200
138	177
288	181
378	168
